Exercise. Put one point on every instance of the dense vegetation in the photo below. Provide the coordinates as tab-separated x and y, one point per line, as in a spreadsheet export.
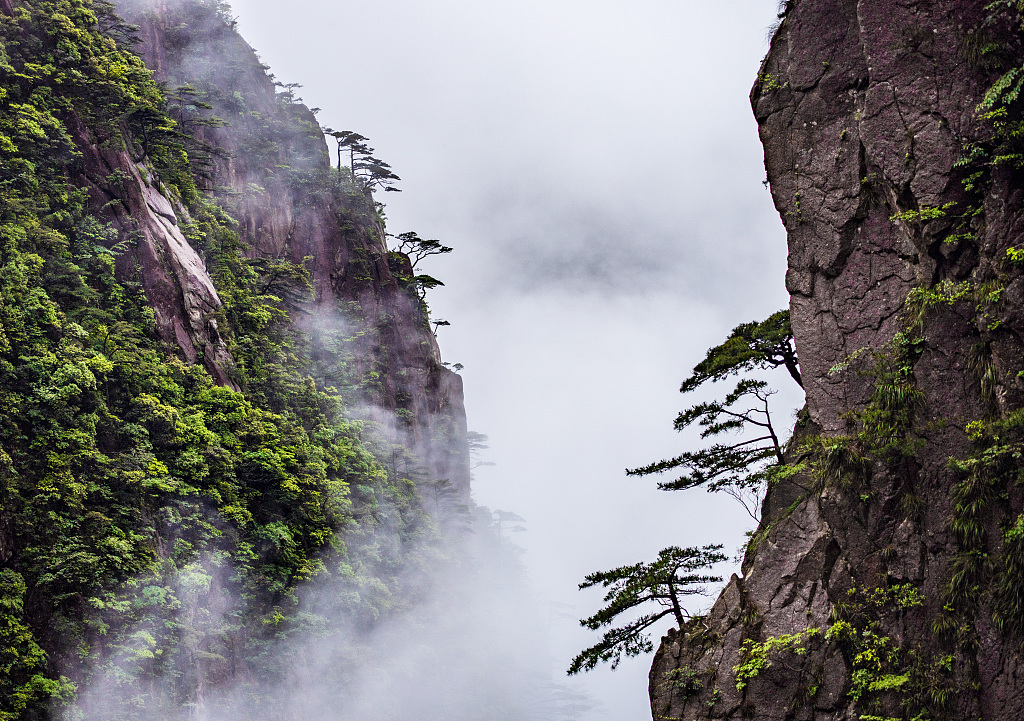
133	488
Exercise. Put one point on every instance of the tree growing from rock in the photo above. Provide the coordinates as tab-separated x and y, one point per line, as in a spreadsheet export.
417	248
743	467
675	574
761	344
373	171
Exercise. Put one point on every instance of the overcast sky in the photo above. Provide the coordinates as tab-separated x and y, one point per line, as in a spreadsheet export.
596	166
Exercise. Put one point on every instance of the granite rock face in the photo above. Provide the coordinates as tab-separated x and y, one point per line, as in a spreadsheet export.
177	284
267	174
864	108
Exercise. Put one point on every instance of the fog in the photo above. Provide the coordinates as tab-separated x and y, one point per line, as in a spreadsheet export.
596	166
461	640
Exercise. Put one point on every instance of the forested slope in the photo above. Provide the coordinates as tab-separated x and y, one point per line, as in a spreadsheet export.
216	382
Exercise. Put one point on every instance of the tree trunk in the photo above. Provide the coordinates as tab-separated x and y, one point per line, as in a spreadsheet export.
677	610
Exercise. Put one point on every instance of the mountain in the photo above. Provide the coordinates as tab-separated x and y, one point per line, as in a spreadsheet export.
224	420
886	580
268	174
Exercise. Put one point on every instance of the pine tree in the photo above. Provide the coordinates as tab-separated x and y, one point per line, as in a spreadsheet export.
664	582
741	468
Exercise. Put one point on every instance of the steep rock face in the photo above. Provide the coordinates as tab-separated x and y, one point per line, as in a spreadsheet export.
864	108
173	275
268	174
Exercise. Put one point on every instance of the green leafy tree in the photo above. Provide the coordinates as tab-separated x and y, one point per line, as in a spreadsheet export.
152	127
186	106
24	687
675	574
740	468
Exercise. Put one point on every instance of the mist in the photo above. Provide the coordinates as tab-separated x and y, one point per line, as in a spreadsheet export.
454	635
597	168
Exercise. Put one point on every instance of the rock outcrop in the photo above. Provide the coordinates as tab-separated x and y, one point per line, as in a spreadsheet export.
174	277
865	108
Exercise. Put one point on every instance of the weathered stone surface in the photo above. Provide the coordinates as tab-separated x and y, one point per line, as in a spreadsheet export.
177	284
863	106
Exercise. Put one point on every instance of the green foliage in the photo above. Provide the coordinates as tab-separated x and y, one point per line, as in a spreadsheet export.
743	467
408	252
739	466
771	82
417	248
24	684
923	214
884	430
887	422
979	502
765	344
890	678
133	488
662	582
684	682
756	656
369	171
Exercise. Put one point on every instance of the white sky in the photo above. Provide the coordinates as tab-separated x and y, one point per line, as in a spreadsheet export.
596	166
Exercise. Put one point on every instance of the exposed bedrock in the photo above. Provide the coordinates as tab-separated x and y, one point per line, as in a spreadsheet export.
177	285
864	108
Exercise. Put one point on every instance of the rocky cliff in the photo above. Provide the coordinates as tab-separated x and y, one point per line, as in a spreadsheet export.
267	168
174	277
221	404
885	581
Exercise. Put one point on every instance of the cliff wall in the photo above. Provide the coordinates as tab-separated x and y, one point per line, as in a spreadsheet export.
186	494
174	277
884	580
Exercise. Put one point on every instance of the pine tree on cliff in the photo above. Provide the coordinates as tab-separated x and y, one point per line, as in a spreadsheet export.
371	170
740	469
665	581
743	467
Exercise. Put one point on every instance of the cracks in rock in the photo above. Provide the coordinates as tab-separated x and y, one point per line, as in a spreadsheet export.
910	160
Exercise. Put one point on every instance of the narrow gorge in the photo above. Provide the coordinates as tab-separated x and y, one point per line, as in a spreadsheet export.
236	474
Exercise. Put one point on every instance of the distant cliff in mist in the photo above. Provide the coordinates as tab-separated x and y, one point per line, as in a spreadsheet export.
887	578
272	173
224	419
